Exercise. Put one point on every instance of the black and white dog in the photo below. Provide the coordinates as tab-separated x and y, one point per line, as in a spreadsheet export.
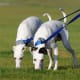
39	49
25	34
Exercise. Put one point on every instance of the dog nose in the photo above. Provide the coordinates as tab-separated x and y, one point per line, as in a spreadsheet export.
37	68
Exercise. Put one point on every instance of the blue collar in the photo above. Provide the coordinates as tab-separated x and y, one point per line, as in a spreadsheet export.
24	41
38	42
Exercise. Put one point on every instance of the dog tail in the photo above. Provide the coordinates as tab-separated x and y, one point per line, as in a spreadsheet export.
64	14
48	15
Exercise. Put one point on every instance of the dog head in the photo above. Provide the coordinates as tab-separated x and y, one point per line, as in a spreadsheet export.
38	55
18	51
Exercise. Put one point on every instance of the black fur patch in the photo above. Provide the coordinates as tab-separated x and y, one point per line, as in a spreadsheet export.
43	50
58	38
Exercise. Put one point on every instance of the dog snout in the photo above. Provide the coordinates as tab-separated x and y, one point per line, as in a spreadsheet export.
39	66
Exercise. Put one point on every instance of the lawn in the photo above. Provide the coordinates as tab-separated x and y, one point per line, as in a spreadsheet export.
12	12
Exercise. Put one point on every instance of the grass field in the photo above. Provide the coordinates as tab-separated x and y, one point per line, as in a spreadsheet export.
12	12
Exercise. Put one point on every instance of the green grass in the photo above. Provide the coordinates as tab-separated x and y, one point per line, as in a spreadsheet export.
10	17
20	74
8	71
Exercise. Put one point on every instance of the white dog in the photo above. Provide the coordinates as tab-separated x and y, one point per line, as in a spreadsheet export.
25	33
40	48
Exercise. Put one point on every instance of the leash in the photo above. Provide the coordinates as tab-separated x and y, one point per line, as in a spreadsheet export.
58	31
73	19
69	14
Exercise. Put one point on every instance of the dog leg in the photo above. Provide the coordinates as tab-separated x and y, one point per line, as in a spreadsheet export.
55	57
69	48
50	58
30	50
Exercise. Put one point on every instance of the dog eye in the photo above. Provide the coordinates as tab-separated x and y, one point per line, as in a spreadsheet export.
42	60
43	50
34	59
23	48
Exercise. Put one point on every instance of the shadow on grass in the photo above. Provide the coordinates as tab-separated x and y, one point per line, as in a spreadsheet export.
6	53
65	67
68	67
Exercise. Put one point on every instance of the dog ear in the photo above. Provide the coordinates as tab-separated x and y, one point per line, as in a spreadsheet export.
33	49
43	50
13	48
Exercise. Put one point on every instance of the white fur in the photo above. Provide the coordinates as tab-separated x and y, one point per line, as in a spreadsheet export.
38	63
48	15
26	30
65	19
45	30
64	14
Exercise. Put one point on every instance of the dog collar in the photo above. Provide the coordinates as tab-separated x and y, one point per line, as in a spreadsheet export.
38	43
24	41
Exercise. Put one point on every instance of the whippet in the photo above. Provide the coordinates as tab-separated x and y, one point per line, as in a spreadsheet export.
25	34
39	49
